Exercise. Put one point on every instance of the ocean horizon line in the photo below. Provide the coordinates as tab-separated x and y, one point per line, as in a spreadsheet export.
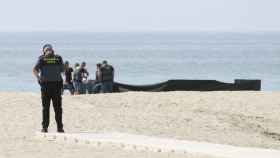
144	31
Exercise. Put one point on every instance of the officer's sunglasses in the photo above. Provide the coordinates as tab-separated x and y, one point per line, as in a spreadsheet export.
48	50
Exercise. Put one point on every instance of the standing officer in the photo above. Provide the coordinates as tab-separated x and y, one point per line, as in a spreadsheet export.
48	71
107	77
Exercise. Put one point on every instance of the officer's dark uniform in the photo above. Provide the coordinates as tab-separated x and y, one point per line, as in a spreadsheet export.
107	78
51	83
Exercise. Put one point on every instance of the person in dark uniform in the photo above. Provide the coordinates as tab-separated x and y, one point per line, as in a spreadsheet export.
84	76
98	79
77	79
48	71
68	83
107	77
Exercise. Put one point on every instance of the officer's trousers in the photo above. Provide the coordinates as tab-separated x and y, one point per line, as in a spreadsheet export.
107	87
51	91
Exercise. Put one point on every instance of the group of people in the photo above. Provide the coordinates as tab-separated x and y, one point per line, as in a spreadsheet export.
77	82
48	71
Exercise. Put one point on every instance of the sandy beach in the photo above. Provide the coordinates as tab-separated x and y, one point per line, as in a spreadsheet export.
245	119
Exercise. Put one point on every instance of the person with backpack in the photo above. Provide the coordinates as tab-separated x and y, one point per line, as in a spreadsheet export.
47	71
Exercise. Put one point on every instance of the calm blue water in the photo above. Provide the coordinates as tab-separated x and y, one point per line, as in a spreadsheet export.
145	58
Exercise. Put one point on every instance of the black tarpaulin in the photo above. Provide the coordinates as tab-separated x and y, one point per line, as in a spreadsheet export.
192	85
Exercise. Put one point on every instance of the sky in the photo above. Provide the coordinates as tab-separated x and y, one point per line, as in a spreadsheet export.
140	15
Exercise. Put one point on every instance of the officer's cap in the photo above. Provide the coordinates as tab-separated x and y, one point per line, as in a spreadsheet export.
46	47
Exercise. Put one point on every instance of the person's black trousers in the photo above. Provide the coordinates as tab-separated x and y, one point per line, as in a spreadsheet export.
51	91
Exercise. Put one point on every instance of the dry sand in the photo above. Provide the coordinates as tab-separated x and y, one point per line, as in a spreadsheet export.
250	119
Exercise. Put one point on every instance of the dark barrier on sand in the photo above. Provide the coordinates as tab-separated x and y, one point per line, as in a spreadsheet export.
192	85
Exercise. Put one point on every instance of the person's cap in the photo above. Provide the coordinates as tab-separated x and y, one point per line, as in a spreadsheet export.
47	47
104	62
66	62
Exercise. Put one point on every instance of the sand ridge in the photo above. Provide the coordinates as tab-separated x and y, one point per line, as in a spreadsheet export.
151	143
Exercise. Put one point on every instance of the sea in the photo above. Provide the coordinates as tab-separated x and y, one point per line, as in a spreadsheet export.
147	57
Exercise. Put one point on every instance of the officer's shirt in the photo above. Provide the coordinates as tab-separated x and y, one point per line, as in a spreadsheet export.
50	68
